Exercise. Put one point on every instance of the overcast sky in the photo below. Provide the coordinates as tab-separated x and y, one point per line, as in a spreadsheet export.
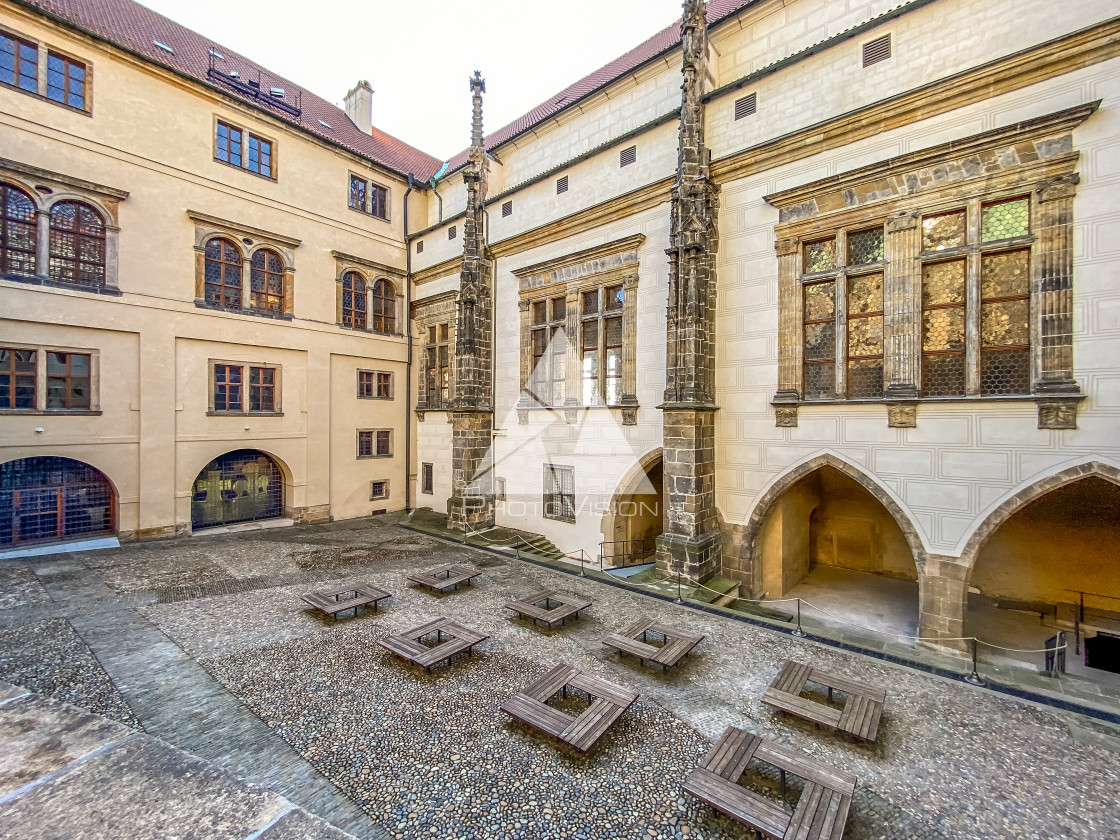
418	55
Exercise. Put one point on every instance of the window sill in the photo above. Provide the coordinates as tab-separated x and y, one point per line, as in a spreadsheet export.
254	313
365	331
629	411
372	457
564	519
244	414
383	399
85	112
369	215
246	170
41	280
53	412
993	398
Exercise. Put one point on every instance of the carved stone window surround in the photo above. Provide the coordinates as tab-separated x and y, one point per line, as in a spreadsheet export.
370	271
433	312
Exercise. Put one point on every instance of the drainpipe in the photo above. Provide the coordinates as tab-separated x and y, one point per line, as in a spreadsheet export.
408	364
432	184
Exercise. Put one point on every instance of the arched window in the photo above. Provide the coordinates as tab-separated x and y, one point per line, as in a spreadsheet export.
17	231
353	300
383	307
77	244
223	274
266	279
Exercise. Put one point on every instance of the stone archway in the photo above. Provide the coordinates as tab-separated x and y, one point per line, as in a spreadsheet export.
246	485
635	516
48	499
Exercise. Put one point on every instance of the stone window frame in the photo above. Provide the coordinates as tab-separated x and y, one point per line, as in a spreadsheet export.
367	206
41	351
46	189
430	312
427	478
1035	158
375	381
247	240
611	264
384	483
245	411
370	272
374	436
550	494
246	134
44	50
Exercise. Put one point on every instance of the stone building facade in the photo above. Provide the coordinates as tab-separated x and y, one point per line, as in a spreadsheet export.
790	285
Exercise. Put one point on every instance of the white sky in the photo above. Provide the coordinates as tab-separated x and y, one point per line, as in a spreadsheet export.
418	55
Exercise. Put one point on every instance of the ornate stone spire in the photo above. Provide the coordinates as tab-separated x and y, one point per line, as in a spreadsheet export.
691	541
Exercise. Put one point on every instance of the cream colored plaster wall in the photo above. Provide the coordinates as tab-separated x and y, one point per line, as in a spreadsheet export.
962	460
152	135
433	446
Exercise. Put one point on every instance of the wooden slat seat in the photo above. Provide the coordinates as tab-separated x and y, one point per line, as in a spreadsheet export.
407	645
597	687
550	683
678	643
331	602
738	802
566	606
809	709
862	710
821	813
446	577
537	714
632	646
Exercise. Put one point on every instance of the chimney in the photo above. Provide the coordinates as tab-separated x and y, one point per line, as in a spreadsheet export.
359	106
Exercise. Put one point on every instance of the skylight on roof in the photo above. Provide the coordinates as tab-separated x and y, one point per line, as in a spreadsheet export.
276	91
217	54
326	125
163	46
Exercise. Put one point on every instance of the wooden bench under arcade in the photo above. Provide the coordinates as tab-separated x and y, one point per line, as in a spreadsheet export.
677	644
549	606
451	638
862	709
353	597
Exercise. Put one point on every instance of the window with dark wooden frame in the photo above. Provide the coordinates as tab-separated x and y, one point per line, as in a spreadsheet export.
227	388
222	274
559	493
353	300
234	383
548	344
17	231
365	443
66	80
77	247
68	380
19	63
262	389
427	479
378	201
19	373
627	156
375	443
228	144
384	386
384	443
865	335
266	281
358	193
244	149
366	386
877	50
259	159
383	307
369	197
439	365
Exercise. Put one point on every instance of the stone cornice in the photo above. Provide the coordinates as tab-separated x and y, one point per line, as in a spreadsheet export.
57	177
362	261
246	230
597	252
435	300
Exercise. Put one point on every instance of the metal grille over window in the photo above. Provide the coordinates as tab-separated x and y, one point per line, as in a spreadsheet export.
18	375
562	185
1005	220
223	274
559	493
865	336
820	256
946	230
943	329
44	499
820	340
77	244
866	247
507	209
353	300
426	484
17	234
241	486
1005	323
877	50
266	278
627	156
746	106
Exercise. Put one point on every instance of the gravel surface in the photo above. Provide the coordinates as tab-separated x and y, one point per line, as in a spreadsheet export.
19	587
48	657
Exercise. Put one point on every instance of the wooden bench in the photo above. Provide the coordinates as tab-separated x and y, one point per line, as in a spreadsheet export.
822	809
608	702
677	643
407	645
446	577
566	606
332	602
862	709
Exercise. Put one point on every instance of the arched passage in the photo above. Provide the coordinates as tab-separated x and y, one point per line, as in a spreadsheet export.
634	519
825	536
45	499
246	485
1035	557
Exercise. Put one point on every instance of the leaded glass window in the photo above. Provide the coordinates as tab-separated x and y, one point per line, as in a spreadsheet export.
77	250
222	274
353	300
17	231
66	81
866	247
548	343
601	348
18	376
1005	220
266	279
1005	323
865	336
19	63
943	328
820	340
946	230
820	256
383	307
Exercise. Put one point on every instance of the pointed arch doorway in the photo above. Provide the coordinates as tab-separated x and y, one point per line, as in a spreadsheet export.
633	521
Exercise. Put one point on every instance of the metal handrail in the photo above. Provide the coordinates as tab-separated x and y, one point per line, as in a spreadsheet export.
646	545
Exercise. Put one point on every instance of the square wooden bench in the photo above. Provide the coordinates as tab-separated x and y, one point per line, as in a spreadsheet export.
822	809
557	608
608	702
407	645
353	597
862	709
677	643
446	577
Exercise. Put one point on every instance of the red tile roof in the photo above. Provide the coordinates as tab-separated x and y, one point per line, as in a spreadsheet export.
132	26
664	40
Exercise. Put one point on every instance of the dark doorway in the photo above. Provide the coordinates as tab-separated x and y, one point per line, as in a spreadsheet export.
242	486
46	499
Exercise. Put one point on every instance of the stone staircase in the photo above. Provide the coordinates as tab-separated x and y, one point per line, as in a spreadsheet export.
717	591
509	538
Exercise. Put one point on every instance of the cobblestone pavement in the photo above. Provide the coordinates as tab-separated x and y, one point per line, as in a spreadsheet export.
431	755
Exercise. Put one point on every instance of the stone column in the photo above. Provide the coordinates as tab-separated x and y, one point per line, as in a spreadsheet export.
790	344
943	602
630	351
902	318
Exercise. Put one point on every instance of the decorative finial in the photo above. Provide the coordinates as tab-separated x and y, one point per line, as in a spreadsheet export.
478	84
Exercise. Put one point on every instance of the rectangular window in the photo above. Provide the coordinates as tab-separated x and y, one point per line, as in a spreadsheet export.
819	330
378	490
18	377
549	346
943	328
1005	323
499	489
66	81
385	386
438	378
358	193
234	395
559	493
378	201
365	443
375	385
240	148
426	479
262	389
19	63
365	384
227	387
369	197
375	443
384	443
865	335
68	380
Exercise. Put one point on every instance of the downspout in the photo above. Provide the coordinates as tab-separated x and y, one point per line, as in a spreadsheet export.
432	184
408	363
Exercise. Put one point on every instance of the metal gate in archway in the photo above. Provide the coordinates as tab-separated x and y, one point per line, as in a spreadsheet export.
44	499
242	486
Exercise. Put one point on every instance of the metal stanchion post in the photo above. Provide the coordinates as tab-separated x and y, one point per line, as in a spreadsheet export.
974	677
678	598
582	557
797	631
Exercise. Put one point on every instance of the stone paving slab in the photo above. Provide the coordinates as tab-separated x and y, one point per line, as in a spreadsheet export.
299	825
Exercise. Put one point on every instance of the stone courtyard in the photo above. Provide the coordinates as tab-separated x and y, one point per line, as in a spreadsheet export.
203	646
